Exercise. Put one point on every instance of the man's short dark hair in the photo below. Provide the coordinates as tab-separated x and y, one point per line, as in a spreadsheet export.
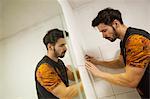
53	35
107	16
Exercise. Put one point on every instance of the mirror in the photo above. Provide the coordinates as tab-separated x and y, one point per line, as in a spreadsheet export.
23	24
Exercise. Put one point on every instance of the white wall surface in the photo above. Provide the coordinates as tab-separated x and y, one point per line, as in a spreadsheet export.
1	67
134	14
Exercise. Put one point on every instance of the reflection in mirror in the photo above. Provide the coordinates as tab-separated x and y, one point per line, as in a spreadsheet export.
23	24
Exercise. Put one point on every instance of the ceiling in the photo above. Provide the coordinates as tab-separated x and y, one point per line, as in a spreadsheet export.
77	3
16	15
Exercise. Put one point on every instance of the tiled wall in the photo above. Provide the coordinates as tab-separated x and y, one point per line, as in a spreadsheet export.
106	90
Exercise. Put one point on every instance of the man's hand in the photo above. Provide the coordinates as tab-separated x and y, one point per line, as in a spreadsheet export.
70	73
91	59
91	67
130	78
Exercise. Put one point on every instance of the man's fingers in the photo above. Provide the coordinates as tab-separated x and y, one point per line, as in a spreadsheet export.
88	62
88	67
87	59
87	56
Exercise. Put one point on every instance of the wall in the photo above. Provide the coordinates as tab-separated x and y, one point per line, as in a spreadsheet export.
86	13
135	13
1	67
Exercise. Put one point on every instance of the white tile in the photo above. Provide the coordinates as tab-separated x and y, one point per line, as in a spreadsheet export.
110	97
103	88
119	89
130	95
94	52
110	51
111	70
115	71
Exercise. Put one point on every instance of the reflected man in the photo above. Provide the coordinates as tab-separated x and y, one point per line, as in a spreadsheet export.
51	75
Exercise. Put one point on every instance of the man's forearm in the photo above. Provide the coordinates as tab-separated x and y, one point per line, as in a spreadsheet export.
119	79
78	75
73	77
72	90
61	91
111	64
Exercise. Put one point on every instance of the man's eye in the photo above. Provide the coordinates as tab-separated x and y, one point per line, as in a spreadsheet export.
62	45
104	30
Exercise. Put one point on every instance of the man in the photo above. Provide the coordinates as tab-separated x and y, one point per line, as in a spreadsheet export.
134	57
51	75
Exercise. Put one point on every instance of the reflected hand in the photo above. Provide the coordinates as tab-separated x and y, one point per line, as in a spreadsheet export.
69	67
91	67
91	59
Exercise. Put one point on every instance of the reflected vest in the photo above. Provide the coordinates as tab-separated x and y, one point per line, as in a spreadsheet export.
144	83
60	69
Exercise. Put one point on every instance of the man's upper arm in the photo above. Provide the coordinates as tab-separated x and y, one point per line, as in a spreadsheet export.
121	61
133	75
138	51
48	78
70	75
138	57
59	91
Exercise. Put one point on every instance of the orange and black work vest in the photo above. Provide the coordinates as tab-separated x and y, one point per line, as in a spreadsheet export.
59	68
143	85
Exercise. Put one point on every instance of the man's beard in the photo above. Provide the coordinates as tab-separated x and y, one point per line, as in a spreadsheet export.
62	54
114	36
57	54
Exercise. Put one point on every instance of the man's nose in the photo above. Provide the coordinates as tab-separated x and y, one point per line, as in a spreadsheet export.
65	48
104	35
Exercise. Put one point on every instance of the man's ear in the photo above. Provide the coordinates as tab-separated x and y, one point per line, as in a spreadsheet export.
50	46
115	23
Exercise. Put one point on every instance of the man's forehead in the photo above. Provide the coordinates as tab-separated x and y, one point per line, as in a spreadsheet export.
61	41
101	26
